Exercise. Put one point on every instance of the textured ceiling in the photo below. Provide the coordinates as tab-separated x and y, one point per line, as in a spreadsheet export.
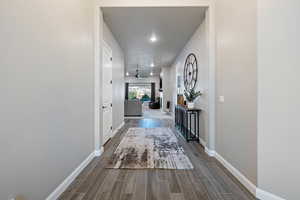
133	28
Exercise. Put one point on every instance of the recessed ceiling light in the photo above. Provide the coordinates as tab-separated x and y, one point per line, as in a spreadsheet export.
152	65
153	38
151	74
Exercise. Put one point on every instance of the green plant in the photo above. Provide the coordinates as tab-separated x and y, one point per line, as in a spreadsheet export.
132	95
145	97
191	95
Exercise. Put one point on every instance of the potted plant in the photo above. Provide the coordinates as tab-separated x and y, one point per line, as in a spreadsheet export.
191	96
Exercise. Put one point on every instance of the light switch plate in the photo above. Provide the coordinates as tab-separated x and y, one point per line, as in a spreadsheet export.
221	99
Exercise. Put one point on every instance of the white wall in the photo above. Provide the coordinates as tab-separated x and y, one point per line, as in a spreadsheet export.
278	97
237	81
46	86
198	44
169	87
117	77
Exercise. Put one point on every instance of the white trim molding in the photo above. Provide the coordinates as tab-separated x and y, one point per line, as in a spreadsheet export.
237	174
210	14
98	27
117	129
263	195
99	152
257	192
202	142
209	152
67	182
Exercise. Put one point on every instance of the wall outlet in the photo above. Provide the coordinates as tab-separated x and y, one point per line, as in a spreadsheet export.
221	99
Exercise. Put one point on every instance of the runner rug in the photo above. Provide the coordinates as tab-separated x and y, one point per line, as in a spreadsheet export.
143	148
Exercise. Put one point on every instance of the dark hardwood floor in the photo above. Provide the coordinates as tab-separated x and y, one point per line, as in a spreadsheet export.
209	180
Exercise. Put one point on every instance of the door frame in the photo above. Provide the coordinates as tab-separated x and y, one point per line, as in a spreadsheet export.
110	51
98	38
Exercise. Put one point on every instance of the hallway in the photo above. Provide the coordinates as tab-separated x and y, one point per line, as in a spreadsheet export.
207	181
73	71
155	113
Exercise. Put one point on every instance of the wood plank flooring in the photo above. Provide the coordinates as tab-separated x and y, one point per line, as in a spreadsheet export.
209	180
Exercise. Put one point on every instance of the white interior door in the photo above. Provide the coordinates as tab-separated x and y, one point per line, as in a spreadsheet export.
107	92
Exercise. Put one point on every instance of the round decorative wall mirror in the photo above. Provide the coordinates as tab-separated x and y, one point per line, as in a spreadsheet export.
190	73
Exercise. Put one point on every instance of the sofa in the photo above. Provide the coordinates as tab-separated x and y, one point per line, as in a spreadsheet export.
133	108
155	104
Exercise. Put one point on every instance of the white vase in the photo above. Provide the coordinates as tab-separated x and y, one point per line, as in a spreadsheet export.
190	105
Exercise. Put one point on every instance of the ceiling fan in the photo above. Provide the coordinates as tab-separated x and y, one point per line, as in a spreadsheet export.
137	75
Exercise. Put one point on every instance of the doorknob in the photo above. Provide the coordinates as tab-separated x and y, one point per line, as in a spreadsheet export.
104	107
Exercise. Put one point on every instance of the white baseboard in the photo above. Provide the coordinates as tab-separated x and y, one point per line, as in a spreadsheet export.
99	152
117	129
258	193
202	142
65	184
237	174
263	195
209	152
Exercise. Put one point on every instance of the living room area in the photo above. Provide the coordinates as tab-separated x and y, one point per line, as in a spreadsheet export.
144	96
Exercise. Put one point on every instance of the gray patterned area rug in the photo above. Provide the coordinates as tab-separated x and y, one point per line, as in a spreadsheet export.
143	148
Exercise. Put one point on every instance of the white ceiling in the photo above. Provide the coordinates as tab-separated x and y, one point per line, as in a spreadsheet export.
133	28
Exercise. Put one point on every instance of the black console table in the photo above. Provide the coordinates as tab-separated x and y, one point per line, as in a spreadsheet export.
183	121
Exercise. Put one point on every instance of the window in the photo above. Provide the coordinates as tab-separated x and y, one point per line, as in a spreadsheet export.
141	91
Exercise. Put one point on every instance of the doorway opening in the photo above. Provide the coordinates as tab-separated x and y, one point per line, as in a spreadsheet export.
152	53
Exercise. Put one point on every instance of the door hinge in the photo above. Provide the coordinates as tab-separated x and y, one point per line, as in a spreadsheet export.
110	58
110	82
111	105
111	128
